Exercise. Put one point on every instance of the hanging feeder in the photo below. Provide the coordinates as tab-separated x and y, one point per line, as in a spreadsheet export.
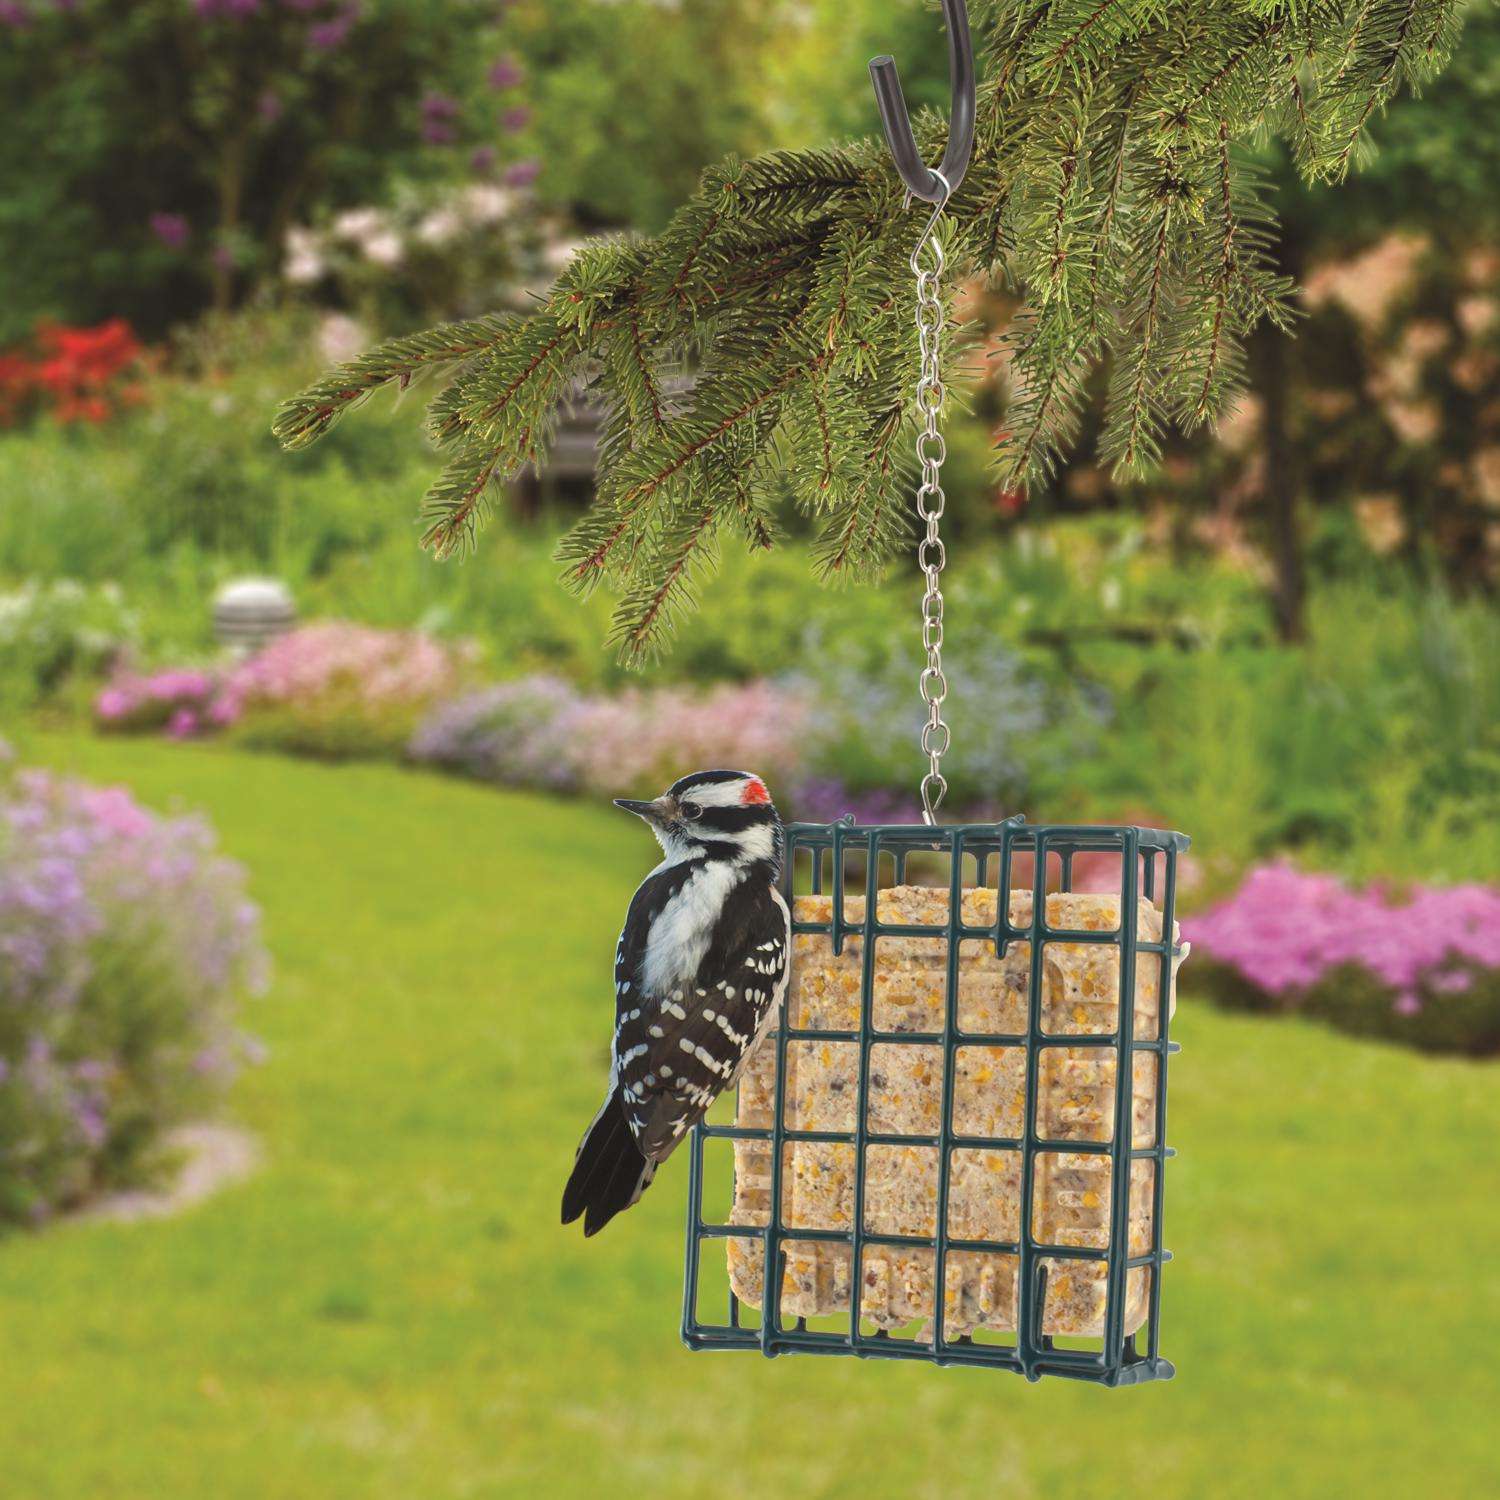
942	1092
951	1146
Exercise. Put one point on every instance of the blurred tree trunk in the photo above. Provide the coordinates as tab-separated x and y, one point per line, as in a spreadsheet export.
1271	367
1273	373
231	200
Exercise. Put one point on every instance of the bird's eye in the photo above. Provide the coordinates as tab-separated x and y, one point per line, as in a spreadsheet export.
691	811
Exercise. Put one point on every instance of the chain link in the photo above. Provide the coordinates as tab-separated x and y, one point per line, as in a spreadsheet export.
931	451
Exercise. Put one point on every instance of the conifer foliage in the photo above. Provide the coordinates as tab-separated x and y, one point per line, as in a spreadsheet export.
1107	187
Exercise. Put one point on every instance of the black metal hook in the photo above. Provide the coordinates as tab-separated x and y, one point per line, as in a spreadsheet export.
921	181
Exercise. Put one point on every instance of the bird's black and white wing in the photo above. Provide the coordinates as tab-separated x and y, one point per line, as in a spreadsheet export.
610	1171
678	1048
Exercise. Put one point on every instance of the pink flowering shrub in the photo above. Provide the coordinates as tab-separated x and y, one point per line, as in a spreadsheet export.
1421	967
126	946
332	689
183	702
340	690
538	732
642	741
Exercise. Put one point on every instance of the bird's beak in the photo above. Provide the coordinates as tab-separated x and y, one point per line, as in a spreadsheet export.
659	811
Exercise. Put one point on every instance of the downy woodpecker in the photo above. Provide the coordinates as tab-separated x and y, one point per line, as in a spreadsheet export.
700	970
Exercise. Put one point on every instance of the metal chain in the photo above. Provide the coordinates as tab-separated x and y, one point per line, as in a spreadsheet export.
931	451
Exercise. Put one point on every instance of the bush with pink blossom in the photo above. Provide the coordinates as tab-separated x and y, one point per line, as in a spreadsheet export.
538	732
642	740
332	689
183	702
1421	966
126	947
339	690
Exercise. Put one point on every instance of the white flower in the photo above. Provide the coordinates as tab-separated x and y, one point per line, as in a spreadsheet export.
384	248
486	202
302	270
558	253
340	338
304	263
358	223
440	226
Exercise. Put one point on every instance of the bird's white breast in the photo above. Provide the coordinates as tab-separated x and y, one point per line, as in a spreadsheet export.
682	932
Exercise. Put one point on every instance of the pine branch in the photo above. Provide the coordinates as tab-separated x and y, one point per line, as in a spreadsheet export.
1048	363
1115	158
458	502
1215	351
1376	95
646	615
1105	187
856	544
305	418
1133	422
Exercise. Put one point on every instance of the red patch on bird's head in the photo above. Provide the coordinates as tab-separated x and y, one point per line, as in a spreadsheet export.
755	791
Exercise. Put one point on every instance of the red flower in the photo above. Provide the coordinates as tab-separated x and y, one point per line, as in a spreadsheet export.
76	372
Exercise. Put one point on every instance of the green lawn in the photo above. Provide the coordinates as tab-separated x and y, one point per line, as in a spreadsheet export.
390	1309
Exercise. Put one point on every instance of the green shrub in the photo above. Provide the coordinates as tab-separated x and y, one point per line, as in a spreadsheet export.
1467	1020
50	631
337	726
1351	999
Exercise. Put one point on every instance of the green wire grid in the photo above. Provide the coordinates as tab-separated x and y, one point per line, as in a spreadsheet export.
1148	862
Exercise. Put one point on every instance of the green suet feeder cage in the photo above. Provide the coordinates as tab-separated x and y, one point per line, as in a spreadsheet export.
940	1091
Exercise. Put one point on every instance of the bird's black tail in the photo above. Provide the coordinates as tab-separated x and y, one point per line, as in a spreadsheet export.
609	1173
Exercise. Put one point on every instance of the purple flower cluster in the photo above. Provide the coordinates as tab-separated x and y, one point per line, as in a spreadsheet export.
330	35
339	691
126	944
519	733
505	73
171	229
1285	932
824	799
645	739
440	119
352	675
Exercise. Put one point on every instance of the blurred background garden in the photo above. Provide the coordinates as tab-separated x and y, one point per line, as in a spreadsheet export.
304	948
